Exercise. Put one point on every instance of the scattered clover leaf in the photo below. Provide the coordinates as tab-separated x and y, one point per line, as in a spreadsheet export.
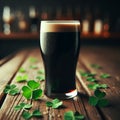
97	86
26	115
98	99
36	113
99	94
93	86
33	60
87	74
93	100
78	116
11	90
70	115
40	78
33	84
33	66
27	92
36	94
56	103
32	90
103	103
22	70
22	106
22	78
91	79
105	75
41	72
96	66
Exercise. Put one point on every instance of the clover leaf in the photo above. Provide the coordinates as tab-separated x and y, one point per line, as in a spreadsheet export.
36	94
93	86
87	74
33	60
91	79
41	71
33	66
96	66
22	106
40	78
11	90
22	70
78	116
99	94
26	115
56	103
98	99
36	113
32	90
70	115
105	75
21	78
97	86
27	92
93	100
103	103
33	84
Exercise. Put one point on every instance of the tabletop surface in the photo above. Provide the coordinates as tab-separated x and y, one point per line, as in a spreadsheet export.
92	59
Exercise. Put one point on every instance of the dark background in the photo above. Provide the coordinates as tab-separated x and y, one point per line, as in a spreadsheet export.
110	8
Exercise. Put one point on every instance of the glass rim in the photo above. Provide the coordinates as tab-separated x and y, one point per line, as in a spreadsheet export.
60	21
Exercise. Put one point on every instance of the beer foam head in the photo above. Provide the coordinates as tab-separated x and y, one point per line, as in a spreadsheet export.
60	26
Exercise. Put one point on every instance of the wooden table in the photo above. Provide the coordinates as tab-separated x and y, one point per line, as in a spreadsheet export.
107	57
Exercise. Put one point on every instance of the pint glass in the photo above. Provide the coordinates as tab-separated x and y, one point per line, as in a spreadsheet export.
59	46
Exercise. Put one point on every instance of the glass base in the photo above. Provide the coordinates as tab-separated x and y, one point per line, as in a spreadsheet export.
63	95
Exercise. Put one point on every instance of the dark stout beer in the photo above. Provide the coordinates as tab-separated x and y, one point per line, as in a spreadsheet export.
59	45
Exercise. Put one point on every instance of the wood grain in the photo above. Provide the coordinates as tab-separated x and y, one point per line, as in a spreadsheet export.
109	60
8	70
80	103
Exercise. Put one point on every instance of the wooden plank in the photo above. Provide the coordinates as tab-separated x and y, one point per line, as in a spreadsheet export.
8	70
110	64
6	113
3	60
77	104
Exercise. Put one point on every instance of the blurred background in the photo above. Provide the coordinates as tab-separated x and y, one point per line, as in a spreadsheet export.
20	21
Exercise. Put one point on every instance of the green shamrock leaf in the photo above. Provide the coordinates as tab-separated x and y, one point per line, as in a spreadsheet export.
41	72
27	92
22	70
96	66
22	106
33	84
26	115
40	78
99	94
36	113
11	90
56	103
78	116
33	66
32	90
103	103
21	78
69	115
91	79
93	100
104	75
33	60
36	94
